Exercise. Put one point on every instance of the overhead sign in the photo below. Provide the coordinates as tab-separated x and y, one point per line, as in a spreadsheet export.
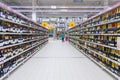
72	24
44	24
51	27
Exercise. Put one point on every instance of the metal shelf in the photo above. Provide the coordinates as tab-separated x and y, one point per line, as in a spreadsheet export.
101	34
103	67
112	21
20	24
2	62
99	54
98	44
19	43
10	33
17	66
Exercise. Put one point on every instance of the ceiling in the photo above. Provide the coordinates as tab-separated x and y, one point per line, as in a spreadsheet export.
61	3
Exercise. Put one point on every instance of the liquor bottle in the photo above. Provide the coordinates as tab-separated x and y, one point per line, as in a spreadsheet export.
6	67
113	67
1	42
116	56
113	14
9	54
1	28
13	62
1	70
10	16
1	55
4	40
109	17
14	17
5	53
112	30
117	69
112	41
14	52
118	14
17	20
2	13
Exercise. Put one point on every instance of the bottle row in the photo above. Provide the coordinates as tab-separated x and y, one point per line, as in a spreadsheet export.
13	28
5	14
108	40
113	54
12	51
113	67
14	63
103	29
112	28
107	52
111	15
105	40
106	17
13	39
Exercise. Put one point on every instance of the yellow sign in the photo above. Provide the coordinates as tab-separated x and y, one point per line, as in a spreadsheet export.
51	27
44	24
72	24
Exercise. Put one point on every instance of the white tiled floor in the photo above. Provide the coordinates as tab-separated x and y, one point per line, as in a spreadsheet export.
59	61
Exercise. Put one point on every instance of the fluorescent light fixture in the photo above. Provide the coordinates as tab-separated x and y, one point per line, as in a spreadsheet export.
34	16
63	7
46	20
53	7
53	19
64	10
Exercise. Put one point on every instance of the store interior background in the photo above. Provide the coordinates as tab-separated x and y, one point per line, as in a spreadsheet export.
91	40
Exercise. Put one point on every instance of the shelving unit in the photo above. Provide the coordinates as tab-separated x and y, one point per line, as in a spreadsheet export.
20	38
99	39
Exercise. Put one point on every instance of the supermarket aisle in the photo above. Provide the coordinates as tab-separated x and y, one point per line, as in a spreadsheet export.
59	61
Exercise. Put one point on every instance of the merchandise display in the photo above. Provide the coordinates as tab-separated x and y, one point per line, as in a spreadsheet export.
53	40
99	38
20	38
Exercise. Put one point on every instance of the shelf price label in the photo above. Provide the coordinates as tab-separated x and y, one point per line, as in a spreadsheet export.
72	24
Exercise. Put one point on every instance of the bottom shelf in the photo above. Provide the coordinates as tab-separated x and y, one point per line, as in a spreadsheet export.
101	66
22	61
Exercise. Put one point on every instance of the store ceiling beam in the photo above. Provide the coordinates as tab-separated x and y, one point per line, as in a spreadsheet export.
61	7
58	11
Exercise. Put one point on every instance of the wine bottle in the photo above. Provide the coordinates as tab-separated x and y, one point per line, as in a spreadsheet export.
3	14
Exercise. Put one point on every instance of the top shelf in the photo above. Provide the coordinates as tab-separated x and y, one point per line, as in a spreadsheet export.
103	12
19	14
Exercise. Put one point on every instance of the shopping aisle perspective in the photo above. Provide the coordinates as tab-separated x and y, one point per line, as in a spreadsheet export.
59	61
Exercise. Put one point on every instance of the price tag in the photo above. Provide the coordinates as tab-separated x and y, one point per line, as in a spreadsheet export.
118	42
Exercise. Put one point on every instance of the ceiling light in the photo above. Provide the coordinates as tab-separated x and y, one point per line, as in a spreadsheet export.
64	10
78	0
53	7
